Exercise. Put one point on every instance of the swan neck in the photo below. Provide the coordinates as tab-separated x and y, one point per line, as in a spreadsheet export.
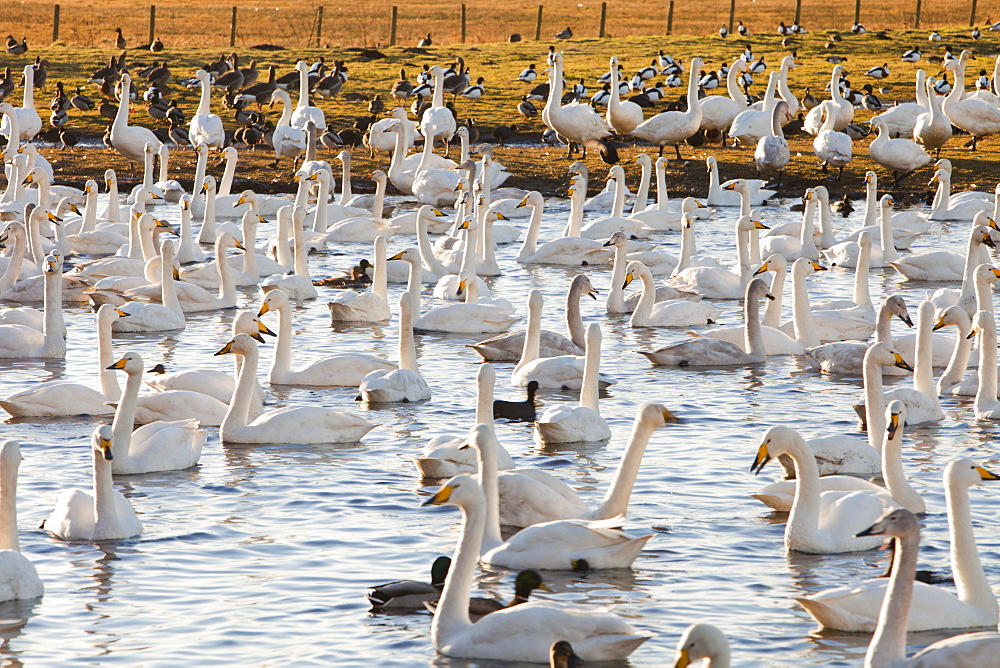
491	493
53	325
970	580
574	322
124	421
345	177
871	202
616	295
532	338
803	521
772	311
874	402
889	253
802	319
407	349
647	297
109	381
8	506
986	393
379	205
888	645
322	211
282	363
226	186
452	615
642	195
617	497
862	292
618	206
662	196
895	478
246	384
753	338
591	374
427	257
105	508
923	373
806	239
959	361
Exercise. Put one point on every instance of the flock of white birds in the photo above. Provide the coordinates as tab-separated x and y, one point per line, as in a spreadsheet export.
142	275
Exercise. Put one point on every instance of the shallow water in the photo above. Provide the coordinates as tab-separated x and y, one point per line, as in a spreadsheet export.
261	554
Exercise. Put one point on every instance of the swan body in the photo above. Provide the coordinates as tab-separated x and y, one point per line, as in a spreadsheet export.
18	577
405	383
372	306
130	140
673	313
571	250
206	127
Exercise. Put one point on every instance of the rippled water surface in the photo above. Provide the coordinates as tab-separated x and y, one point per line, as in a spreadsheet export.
261	554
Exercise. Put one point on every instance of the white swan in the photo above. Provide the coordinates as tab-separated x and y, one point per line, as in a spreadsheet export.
944	209
468	317
847	357
404	383
853	607
673	313
713	352
292	424
289	141
192	297
577	122
986	406
947	265
371	306
564	424
437	122
524	632
569	250
21	341
719	195
716	282
130	140
772	151
933	129
672	127
157	446
622	115
339	370
975	116
163	317
897	155
365	228
952	380
18	577
304	111
845	110
206	127
814	527
833	148
718	111
101	513
901	119
28	122
752	123
298	285
702	641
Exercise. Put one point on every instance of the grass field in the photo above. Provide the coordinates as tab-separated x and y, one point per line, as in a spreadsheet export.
499	62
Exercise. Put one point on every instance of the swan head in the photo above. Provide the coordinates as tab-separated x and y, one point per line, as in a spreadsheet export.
871	178
411	255
463	489
617	239
635	269
895	414
241	344
897	523
208	184
955	315
302	66
774	263
102	440
697	64
247	323
274	300
896	305
130	362
966	472
655	414
775	442
751	222
701	641
757	288
581	283
533	198
981	218
822	194
883	355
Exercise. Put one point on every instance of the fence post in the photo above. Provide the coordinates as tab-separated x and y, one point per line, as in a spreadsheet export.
232	29
916	23
604	16
857	11
538	24
152	23
319	26
732	14
392	26
972	14
463	23
798	11
55	23
670	18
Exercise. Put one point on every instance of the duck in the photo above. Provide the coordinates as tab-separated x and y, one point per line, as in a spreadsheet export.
702	641
157	446
406	595
595	636
206	127
404	384
518	410
714	352
853	607
672	127
291	424
100	514
338	370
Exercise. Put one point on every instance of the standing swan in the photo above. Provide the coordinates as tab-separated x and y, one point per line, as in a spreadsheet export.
206	127
130	140
18	577
673	127
625	115
304	112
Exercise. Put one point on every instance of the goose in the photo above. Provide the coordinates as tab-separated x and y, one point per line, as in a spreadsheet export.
569	250
713	352
304	111
845	110
814	527
288	140
582	423
156	446
19	578
446	455
371	306
772	150
559	372
508	347
753	123
703	641
292	424
853	607
831	147
672	313
716	282
579	123
902	601
553	545
403	595
102	513
944	209
130	140
405	383
28	122
975	116
595	636
339	370
149	317
298	285
20	341
206	127
846	357
898	155
672	127
720	195
622	115
718	111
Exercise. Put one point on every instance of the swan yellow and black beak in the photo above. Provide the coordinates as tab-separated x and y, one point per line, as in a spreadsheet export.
462	285
940	324
105	446
440	497
176	274
934	179
500	216
628	279
263	329
119	365
264	308
728	186
988	240
397	256
759	225
226	349
523	202
760	460
892	426
439	213
986	474
901	363
972	334
121	313
236	242
683	658
763	269
817	266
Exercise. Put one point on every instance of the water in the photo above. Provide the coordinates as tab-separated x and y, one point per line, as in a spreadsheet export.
261	555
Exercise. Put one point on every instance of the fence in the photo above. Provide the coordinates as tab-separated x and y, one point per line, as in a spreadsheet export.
186	23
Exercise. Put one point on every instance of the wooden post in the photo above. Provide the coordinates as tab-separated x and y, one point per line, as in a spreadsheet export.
732	14
972	14
319	26
670	18
604	16
538	24
392	26
857	11
463	23
152	23
232	29
798	12
55	23
916	21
